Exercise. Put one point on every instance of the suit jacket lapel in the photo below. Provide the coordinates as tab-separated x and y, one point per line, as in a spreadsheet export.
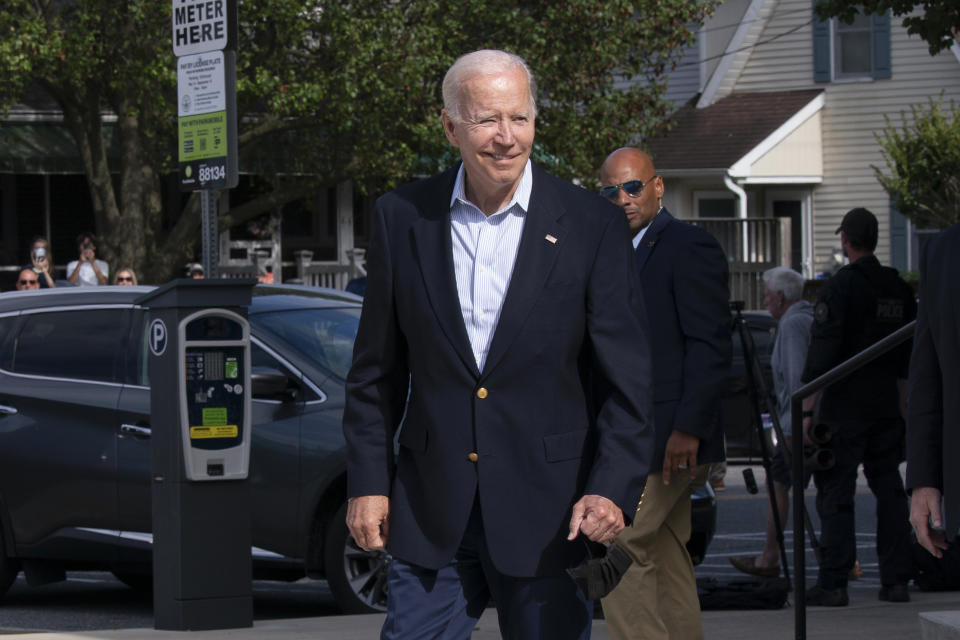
650	238
535	257
435	251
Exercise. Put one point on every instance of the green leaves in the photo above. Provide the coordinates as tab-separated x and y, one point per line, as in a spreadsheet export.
329	90
362	80
923	157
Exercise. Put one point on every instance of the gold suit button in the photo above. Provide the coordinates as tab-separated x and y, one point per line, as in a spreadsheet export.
472	457
482	393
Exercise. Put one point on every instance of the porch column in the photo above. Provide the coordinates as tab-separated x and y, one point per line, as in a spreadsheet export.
344	221
741	213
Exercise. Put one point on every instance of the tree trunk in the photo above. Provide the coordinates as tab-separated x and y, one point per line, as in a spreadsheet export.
86	125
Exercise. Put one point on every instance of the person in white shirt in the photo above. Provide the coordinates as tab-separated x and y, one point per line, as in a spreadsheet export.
87	270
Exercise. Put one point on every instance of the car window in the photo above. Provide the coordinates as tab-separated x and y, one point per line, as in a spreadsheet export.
325	336
260	358
82	344
8	325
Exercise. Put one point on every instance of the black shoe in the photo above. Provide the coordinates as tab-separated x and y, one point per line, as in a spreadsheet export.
817	596
596	577
894	593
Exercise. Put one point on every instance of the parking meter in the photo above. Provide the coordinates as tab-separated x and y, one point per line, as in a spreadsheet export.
215	394
198	340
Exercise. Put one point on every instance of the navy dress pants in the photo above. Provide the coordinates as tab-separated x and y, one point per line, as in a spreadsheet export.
446	603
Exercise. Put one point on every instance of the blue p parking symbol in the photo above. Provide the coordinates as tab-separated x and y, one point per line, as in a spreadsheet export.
158	337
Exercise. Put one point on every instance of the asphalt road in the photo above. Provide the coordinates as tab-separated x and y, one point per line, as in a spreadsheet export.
94	600
740	531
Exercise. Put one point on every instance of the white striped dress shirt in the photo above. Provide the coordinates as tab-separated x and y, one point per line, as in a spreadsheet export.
484	251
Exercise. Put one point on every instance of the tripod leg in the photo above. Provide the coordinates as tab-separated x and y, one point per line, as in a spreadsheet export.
777	522
760	399
757	391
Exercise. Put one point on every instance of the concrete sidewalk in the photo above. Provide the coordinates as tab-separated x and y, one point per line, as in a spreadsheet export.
862	619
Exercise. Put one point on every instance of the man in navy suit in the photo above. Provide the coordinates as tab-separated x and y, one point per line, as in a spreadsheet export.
933	414
497	297
683	275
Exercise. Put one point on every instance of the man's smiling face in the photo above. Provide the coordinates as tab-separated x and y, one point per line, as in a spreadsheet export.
494	133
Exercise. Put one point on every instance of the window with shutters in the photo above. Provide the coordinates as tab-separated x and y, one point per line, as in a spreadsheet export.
856	51
851	49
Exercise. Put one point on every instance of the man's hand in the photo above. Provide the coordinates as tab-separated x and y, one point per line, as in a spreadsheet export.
597	517
807	425
680	454
924	512
368	518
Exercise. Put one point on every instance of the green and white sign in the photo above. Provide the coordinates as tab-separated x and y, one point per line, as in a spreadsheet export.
206	94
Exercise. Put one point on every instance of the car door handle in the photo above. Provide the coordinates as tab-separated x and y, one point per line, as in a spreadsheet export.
136	430
8	411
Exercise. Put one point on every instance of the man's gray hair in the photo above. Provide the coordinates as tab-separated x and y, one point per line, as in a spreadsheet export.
784	280
484	62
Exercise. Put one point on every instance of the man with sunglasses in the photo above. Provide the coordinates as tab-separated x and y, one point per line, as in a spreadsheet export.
683	276
27	279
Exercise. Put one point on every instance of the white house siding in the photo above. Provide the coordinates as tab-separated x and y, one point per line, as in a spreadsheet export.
700	58
738	47
684	81
786	61
716	35
853	114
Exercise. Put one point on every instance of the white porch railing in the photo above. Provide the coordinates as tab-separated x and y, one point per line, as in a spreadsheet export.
752	246
329	274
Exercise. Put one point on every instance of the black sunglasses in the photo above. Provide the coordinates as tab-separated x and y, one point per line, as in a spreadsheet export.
633	188
29	281
122	279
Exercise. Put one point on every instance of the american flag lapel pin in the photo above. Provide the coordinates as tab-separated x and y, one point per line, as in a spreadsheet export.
651	243
551	239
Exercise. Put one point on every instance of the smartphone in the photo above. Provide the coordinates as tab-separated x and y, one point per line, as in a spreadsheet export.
40	253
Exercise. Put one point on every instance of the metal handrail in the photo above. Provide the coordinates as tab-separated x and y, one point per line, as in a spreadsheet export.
840	371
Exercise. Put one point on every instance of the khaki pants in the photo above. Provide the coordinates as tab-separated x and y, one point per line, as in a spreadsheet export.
657	597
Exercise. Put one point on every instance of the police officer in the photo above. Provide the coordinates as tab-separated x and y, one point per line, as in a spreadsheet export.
861	304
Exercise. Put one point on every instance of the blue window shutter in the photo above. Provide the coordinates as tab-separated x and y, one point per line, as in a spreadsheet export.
821	49
880	30
898	239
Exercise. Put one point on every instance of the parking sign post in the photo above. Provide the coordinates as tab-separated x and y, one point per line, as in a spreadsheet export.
204	35
210	233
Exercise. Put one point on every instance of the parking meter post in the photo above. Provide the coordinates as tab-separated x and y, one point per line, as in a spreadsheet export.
199	370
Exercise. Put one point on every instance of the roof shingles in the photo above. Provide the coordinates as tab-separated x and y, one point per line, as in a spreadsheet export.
717	136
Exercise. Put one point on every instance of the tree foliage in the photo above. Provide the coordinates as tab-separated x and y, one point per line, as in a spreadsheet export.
936	21
923	157
330	91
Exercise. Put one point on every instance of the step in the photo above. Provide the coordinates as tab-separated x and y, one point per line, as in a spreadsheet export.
940	625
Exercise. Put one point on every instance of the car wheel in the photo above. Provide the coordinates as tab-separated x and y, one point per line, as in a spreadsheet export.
357	578
9	568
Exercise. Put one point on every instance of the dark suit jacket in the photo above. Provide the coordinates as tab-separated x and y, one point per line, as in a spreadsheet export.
933	416
683	274
540	446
